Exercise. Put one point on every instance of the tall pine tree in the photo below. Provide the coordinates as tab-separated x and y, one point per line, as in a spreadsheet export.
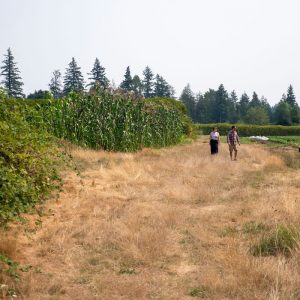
243	106
187	97
98	75
233	113
221	105
148	83
55	84
294	108
255	102
73	80
161	87
12	80
126	84
290	97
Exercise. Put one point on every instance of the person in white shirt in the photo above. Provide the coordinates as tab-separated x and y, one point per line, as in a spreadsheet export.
214	141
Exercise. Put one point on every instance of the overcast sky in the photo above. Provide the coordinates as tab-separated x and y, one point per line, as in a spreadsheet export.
248	45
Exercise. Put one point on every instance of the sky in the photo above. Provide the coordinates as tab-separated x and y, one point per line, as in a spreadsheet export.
247	45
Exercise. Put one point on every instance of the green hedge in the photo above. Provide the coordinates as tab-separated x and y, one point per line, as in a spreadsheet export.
249	130
28	161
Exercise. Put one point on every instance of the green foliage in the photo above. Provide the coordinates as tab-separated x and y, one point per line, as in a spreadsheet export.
219	106
40	94
282	240
12	80
10	266
248	130
127	83
148	83
115	121
73	80
55	85
200	292
98	75
257	115
28	161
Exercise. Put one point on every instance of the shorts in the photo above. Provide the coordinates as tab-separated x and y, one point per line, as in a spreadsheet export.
232	147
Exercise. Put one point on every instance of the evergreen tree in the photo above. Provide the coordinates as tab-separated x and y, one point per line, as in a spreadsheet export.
243	106
221	105
12	80
282	113
73	80
294	108
161	87
266	106
137	85
55	84
148	83
40	94
126	84
98	75
187	97
200	109
255	102
290	97
233	108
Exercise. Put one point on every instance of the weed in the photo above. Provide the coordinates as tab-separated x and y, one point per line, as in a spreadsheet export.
128	271
200	292
228	231
282	240
253	228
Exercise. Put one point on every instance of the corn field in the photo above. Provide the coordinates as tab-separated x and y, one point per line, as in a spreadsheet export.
113	121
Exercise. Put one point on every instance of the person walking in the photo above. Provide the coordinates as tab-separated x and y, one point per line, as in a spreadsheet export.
232	140
214	141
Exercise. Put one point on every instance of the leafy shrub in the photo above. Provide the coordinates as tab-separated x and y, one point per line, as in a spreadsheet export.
282	240
28	162
248	130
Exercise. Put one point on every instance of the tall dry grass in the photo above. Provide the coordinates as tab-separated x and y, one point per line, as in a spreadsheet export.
164	224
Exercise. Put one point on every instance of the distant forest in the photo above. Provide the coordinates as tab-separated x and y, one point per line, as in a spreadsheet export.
214	106
220	106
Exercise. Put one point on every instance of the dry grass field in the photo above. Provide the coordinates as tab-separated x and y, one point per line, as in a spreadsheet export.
173	223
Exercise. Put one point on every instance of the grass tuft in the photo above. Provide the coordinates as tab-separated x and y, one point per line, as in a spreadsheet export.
282	240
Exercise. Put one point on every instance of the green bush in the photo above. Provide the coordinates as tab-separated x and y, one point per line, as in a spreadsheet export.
249	130
28	162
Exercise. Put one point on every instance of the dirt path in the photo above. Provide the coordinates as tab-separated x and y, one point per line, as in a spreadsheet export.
163	224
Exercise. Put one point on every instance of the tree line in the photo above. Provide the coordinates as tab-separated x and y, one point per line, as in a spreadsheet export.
221	106
214	106
149	86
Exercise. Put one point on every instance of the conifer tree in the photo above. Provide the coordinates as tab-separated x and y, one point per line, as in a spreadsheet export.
221	107
290	97
126	84
55	84
161	87
137	85
12	80
233	107
98	75
255	102
243	106
187	97
73	80
148	83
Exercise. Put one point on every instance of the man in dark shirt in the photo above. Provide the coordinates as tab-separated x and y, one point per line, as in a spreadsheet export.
232	140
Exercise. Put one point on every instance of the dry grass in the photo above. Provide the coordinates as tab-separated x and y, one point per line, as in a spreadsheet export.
164	224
